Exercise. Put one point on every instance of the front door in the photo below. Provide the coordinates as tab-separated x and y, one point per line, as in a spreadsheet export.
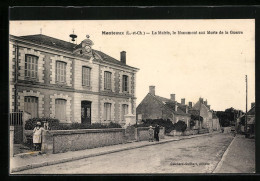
86	112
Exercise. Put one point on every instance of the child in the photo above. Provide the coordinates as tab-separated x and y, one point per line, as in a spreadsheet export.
150	134
37	137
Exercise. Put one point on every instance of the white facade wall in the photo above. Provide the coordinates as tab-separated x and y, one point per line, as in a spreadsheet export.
78	97
94	75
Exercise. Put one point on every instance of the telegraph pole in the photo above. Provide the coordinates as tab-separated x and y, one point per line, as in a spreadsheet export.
246	109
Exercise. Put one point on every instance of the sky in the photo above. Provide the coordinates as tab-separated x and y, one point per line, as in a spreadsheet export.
211	66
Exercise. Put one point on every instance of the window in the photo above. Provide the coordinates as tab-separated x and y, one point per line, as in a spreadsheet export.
31	106
107	80
124	111
60	109
125	83
31	66
107	112
86	76
60	71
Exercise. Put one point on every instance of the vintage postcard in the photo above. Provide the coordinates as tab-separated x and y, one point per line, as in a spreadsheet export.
132	96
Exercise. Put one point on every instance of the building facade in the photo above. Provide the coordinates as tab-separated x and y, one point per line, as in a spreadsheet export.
157	107
49	77
210	120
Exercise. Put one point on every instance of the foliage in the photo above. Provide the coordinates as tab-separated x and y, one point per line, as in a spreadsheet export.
31	123
180	126
54	124
167	124
192	123
225	118
228	117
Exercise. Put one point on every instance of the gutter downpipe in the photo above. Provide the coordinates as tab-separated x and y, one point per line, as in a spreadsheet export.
16	77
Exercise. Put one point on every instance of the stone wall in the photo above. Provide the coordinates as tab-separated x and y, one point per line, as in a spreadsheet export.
142	134
71	140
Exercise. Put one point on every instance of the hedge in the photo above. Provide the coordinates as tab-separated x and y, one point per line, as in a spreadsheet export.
180	126
54	124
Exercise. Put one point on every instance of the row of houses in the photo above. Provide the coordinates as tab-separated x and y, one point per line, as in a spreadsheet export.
157	107
53	78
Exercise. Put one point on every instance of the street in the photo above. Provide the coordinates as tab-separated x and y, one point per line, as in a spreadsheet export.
195	155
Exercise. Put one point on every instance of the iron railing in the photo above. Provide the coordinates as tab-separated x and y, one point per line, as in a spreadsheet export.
15	118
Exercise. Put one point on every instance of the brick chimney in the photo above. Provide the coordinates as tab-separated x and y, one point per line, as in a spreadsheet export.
123	57
208	106
190	104
183	101
201	100
206	102
173	97
152	89
252	104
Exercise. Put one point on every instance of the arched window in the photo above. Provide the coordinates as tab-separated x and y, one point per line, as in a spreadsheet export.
31	66
60	71
107	80
86	76
31	105
60	109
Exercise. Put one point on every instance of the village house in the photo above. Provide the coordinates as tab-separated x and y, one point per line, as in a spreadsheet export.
209	118
156	107
250	121
49	77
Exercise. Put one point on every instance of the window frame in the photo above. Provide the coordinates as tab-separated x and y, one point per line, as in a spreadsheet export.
125	83
61	99
29	71
84	76
124	107
106	115
58	69
28	99
107	80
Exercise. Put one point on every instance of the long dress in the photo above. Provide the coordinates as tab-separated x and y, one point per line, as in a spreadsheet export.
156	133
37	135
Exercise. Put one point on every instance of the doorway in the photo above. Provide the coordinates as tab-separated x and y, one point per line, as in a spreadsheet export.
85	112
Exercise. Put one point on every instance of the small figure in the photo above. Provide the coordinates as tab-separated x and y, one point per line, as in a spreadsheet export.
156	132
150	134
37	137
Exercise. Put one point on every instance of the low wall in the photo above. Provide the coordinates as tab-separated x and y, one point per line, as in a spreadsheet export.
203	131
191	132
71	140
142	134
227	129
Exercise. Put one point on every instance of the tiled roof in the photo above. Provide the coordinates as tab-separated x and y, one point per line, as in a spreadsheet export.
170	105
49	41
251	111
64	45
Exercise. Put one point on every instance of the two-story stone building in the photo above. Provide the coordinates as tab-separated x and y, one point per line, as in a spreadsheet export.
49	77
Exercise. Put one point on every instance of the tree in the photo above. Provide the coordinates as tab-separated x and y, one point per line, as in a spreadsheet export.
180	126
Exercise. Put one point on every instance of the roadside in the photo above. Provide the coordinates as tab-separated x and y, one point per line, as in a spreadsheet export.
239	157
34	160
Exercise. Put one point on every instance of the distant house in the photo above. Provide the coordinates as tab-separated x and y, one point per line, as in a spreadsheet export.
210	120
250	120
215	121
157	107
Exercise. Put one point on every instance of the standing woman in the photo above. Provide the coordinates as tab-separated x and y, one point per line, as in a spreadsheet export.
156	132
37	136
